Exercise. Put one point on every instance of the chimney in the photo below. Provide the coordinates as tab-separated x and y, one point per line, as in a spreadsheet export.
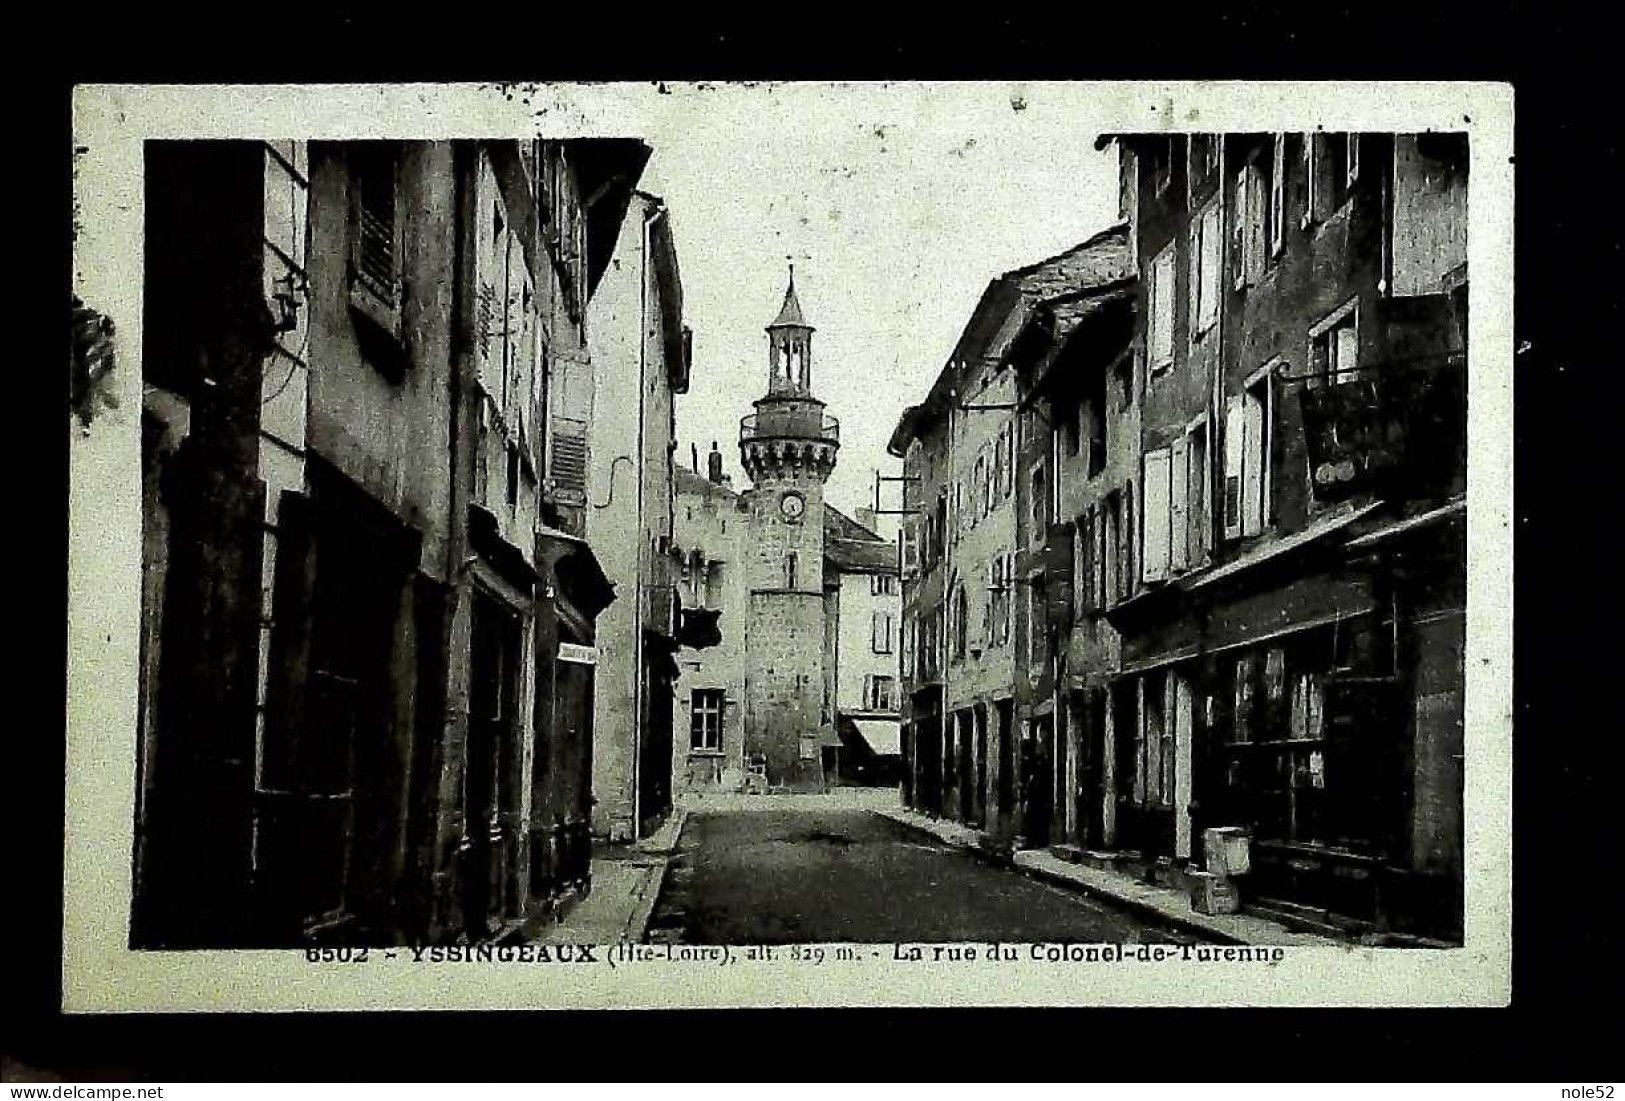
713	463
866	517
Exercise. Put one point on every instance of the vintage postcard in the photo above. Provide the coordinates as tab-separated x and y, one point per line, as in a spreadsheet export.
790	544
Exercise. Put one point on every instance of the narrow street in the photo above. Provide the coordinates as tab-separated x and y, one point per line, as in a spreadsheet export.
804	874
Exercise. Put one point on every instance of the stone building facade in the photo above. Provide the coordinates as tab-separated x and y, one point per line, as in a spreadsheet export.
792	619
642	351
367	588
788	448
1239	520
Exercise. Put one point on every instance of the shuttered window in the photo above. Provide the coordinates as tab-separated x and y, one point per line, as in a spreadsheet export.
1178	490
1196	495
1248	242
1162	309
908	544
1156	501
377	245
1235	438
569	466
1247	430
1254	405
1208	248
1277	211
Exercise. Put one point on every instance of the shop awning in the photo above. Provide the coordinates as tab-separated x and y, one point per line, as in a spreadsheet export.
884	736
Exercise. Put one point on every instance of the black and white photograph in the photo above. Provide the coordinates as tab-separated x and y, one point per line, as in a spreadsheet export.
767	543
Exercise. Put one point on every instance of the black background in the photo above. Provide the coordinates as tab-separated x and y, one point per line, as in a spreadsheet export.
1567	316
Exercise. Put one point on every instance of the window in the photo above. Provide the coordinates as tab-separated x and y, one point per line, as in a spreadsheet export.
906	646
908	546
998	600
879	693
1038	505
1197	519
1075	429
1248	242
1207	246
1155	492
790	570
1334	347
1083	571
1125	576
959	627
375	234
1093	412
1037	633
978	489
1162	310
705	720
1162	166
1329	172
1111	547
880	632
1125	383
1247	441
1202	160
882	584
989	483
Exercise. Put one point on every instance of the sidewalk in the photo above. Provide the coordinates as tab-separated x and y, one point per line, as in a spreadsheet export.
1160	904
626	882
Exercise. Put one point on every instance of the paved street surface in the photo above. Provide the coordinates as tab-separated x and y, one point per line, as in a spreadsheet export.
780	876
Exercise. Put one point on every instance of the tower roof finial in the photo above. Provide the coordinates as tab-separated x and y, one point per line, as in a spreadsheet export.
790	315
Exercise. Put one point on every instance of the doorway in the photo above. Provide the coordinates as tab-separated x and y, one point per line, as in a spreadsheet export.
490	785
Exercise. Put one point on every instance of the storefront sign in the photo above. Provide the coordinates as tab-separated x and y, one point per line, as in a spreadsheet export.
577	654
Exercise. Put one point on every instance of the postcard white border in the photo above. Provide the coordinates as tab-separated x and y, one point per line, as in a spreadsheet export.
100	974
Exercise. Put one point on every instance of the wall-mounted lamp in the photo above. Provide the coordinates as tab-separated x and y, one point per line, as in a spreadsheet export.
288	294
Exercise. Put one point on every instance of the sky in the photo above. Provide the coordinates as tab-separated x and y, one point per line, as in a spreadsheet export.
898	202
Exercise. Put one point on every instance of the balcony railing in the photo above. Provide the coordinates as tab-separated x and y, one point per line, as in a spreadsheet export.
794	425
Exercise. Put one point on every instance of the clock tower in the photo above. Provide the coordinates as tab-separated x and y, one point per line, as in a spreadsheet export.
787	448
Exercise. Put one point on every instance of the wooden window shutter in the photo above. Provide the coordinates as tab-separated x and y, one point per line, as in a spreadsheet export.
1238	231
1178	483
1162	308
1098	565
1155	503
1252	484
1257	200
1235	435
1277	218
377	249
1195	306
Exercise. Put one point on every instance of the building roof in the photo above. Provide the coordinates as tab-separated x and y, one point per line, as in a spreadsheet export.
1100	260
859	556
849	547
608	169
790	316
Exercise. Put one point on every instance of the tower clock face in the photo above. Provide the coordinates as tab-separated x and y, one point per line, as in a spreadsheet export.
792	505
